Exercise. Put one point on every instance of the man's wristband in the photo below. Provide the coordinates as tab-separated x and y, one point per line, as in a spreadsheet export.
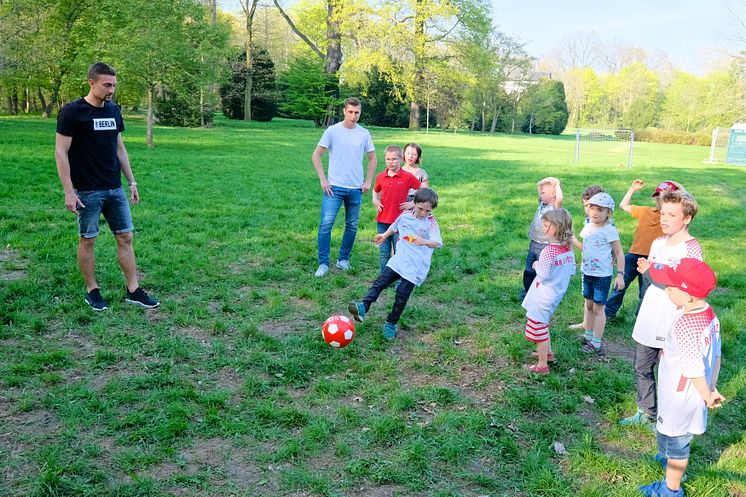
132	183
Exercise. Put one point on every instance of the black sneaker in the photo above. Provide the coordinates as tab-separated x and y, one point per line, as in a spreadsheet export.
95	300
142	298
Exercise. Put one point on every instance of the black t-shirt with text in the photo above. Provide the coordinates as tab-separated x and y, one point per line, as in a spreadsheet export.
93	151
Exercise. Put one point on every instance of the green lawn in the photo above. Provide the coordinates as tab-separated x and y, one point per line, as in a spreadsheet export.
228	389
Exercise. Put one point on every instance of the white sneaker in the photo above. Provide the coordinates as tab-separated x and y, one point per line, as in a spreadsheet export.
321	271
343	265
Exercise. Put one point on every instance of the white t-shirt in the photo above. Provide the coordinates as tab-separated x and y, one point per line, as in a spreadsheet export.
691	351
657	312
346	150
597	251
556	266
411	261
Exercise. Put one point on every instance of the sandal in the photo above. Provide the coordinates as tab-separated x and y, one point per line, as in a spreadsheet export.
550	357
535	368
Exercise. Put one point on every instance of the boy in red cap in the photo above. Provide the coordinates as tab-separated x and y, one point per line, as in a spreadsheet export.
688	371
648	229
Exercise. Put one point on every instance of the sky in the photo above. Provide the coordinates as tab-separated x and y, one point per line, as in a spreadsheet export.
694	33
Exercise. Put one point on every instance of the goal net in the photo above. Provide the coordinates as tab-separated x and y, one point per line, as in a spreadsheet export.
604	147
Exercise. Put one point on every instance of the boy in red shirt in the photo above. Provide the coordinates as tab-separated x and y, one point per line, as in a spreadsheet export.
390	192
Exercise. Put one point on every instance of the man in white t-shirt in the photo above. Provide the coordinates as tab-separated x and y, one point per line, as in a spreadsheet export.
346	142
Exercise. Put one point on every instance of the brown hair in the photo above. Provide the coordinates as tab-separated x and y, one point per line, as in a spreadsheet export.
99	69
426	195
352	101
686	199
591	191
562	220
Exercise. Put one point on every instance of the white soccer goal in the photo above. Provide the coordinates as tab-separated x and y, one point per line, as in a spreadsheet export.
604	147
718	146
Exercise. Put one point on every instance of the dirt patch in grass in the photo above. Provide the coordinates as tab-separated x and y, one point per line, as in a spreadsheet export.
283	328
199	335
12	265
382	491
619	349
229	379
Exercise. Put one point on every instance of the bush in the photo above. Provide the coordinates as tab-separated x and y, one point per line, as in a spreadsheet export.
656	135
180	108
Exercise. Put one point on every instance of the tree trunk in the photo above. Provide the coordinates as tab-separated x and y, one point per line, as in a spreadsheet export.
495	115
53	98
149	127
249	10
42	102
418	65
333	56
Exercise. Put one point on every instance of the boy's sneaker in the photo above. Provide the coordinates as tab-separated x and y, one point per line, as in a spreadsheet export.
142	298
321	271
343	265
389	331
95	300
357	309
640	418
589	348
660	489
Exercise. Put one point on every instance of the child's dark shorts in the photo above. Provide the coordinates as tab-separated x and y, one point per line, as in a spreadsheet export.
596	288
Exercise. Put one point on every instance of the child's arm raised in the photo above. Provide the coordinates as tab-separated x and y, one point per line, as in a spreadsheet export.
625	205
616	246
558	195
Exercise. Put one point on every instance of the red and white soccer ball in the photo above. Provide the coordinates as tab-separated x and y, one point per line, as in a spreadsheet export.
338	331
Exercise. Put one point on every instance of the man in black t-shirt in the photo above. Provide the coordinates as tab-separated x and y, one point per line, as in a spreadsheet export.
91	157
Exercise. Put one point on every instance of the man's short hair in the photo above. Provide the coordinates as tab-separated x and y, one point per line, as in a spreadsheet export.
352	101
100	69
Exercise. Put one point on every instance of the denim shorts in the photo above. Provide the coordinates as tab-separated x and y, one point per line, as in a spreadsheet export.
674	447
112	204
596	288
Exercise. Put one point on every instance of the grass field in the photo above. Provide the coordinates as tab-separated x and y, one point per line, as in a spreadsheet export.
227	389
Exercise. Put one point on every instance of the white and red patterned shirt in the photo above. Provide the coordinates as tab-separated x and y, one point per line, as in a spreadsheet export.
555	267
411	261
657	312
690	352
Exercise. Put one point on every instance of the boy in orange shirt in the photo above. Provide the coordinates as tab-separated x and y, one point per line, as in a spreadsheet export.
390	192
648	229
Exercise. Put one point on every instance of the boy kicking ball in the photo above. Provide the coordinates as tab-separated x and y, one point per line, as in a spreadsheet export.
419	235
688	371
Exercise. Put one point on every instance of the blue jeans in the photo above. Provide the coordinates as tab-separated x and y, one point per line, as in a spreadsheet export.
111	203
386	249
630	273
534	251
351	198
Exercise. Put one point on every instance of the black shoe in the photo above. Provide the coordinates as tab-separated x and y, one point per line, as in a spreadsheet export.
95	300
140	297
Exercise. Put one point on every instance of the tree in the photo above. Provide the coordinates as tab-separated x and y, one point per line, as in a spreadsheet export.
544	109
681	109
249	9
304	87
383	105
264	103
633	83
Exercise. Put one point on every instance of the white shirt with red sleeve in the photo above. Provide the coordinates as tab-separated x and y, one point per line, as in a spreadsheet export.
690	352
555	267
657	312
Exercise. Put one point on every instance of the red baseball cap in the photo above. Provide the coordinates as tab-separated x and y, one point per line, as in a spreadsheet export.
690	275
662	187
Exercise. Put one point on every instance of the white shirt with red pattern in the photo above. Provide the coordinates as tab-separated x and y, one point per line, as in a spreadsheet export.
690	352
657	312
555	267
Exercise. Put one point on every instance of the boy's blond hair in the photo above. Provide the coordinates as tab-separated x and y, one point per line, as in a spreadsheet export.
546	181
562	220
393	148
686	199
